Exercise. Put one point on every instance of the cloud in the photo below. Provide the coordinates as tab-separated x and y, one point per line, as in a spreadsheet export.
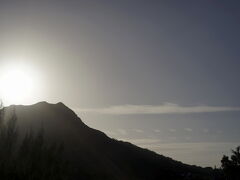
202	153
110	133
138	130
157	130
166	108
143	141
122	131
188	129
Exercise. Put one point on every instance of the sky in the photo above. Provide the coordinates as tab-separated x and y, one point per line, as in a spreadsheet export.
161	74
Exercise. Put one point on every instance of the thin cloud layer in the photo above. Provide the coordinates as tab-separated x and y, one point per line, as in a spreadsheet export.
166	108
188	129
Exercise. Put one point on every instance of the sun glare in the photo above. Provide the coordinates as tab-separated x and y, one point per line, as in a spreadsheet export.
17	85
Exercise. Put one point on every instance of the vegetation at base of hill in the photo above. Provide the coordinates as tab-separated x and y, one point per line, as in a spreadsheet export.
231	166
30	158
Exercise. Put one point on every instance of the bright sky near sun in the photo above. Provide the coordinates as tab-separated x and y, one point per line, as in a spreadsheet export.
161	74
19	83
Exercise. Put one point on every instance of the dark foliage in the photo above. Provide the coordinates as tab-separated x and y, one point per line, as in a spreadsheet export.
231	166
30	158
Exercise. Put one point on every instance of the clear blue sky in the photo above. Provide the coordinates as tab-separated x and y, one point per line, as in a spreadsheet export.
161	74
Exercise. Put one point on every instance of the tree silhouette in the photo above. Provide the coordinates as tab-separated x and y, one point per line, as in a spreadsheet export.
31	158
231	166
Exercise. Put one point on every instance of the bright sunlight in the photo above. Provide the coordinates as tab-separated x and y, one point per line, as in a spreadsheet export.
18	84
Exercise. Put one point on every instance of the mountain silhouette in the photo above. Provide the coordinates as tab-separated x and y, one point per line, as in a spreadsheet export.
94	155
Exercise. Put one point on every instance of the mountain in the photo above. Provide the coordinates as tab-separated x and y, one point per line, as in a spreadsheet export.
94	155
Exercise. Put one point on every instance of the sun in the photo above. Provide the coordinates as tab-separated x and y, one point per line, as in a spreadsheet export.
17	84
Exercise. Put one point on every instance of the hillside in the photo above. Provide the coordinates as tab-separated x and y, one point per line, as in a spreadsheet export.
94	155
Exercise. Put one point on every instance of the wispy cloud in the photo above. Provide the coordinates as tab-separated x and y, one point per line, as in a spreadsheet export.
203	153
122	131
143	141
138	130
166	108
157	130
110	133
188	129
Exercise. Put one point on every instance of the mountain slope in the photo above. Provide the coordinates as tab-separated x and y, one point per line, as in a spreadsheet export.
92	154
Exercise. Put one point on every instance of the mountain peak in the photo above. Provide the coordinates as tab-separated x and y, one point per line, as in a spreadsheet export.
44	110
44	103
59	107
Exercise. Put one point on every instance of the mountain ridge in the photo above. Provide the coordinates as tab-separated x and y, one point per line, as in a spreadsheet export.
92	153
